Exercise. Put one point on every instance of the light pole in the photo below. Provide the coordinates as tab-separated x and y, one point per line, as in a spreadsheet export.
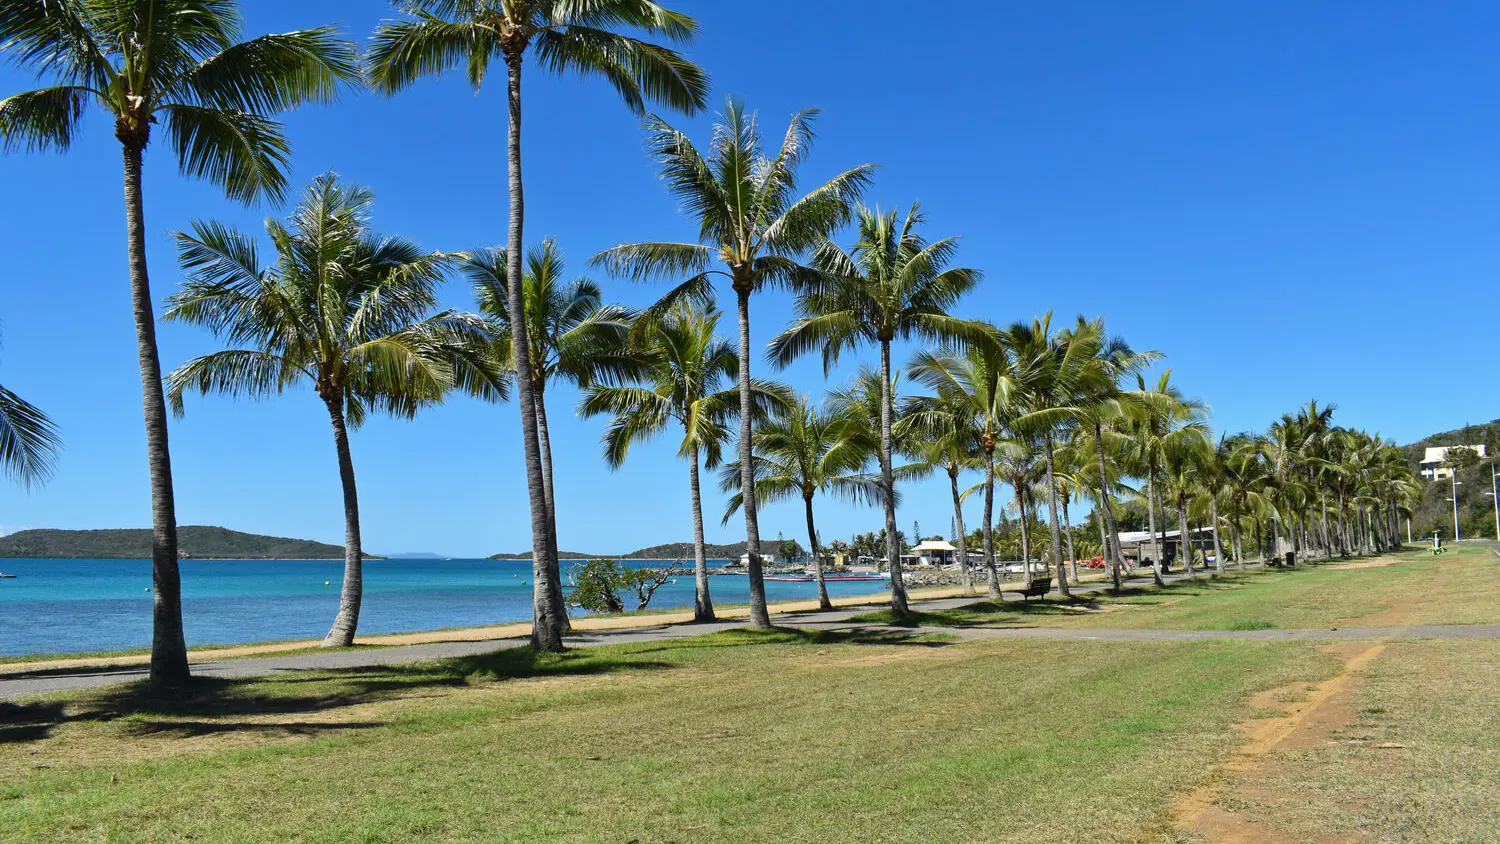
1456	484
1494	495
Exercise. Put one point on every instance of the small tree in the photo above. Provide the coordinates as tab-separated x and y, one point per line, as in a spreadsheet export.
597	584
787	550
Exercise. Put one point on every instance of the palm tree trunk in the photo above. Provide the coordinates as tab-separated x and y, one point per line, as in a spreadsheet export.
1106	506
547	624
1151	517
1327	542
1184	538
966	577
1239	549
993	586
888	483
1068	534
1213	513
759	617
812	543
169	664
1052	523
1025	534
544	443
341	635
703	605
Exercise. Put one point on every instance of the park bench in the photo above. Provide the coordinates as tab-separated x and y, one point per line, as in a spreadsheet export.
1035	589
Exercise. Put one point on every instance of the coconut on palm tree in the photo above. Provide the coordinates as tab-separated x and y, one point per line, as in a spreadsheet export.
572	336
753	228
680	378
343	309
564	36
178	67
806	451
891	285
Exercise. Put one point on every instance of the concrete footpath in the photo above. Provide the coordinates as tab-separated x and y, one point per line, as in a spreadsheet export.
22	683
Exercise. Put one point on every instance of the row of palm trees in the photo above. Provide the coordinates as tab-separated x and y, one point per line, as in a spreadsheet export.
181	66
354	313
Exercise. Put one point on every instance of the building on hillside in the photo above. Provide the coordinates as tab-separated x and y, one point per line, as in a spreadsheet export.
1432	468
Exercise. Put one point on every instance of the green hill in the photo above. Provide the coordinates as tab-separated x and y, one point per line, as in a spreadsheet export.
669	551
194	541
1476	513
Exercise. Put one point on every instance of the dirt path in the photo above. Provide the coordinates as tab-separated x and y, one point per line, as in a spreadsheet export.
1310	713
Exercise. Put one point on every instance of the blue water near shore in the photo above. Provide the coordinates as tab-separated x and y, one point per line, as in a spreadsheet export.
68	606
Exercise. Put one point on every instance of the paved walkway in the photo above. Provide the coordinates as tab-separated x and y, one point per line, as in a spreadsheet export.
22	683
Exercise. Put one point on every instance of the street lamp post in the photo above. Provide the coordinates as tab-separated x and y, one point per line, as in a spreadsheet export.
1456	484
1494	495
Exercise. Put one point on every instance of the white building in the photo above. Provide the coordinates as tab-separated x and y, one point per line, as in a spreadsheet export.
1432	468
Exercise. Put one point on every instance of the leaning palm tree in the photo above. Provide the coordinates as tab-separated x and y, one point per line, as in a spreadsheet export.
29	441
892	285
805	452
571	334
582	36
344	309
684	365
750	220
177	64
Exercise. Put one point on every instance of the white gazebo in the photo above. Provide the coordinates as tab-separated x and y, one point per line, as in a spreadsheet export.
934	552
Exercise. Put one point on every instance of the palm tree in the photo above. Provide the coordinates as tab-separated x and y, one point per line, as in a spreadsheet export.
980	376
29	441
803	453
180	64
1158	420
684	366
946	438
343	308
571	334
751	221
436	36
1114	361
1058	375
892	285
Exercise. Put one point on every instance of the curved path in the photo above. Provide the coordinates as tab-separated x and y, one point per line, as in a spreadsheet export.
24	683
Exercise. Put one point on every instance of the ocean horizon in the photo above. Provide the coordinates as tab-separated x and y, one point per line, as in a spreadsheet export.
75	605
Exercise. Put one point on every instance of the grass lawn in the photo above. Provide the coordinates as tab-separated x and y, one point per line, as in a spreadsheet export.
733	737
1456	588
1410	755
796	737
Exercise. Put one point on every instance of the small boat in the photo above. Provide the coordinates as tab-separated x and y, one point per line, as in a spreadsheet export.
850	578
791	578
3	574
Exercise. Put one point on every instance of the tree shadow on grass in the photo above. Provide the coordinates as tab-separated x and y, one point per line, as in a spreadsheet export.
196	708
746	637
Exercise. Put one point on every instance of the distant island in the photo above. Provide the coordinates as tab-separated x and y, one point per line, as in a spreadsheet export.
193	541
669	551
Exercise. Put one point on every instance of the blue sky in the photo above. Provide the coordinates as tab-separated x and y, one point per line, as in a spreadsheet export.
1290	200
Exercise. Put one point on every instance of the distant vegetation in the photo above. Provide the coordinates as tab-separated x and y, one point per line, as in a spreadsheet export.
669	551
1476	514
195	541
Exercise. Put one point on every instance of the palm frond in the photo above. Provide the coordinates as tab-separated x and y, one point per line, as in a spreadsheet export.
29	441
42	120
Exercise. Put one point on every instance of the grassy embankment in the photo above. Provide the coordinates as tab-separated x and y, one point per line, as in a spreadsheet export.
786	736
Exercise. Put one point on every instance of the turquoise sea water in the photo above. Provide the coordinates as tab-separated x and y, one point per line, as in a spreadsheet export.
65	606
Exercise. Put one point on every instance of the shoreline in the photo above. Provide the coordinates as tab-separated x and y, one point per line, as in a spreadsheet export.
505	630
